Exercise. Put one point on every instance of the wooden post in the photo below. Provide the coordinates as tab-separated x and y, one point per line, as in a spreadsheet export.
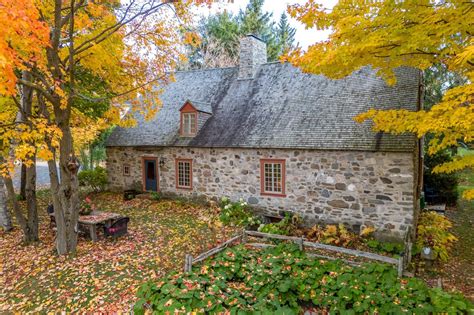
300	244
244	237
400	266
188	263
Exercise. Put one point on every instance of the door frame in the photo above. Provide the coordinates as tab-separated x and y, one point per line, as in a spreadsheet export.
153	158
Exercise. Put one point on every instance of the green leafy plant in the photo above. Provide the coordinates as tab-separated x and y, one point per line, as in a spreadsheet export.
433	232
156	195
96	178
384	247
282	279
237	213
287	226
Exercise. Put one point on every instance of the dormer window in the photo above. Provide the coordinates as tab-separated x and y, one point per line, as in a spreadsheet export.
193	117
188	124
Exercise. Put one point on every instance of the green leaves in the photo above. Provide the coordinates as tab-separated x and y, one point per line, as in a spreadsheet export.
282	279
237	213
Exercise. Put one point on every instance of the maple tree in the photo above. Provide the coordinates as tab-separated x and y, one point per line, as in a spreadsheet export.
391	34
129	46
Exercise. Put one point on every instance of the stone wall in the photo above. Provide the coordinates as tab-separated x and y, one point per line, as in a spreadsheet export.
356	188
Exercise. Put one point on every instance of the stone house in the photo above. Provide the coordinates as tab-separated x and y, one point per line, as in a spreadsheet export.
280	139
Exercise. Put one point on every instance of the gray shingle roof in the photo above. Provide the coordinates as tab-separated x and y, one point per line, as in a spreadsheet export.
201	106
281	108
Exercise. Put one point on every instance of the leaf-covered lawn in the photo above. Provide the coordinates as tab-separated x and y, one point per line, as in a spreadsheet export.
104	276
458	272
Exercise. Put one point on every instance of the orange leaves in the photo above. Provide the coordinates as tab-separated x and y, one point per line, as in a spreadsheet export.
22	40
192	38
103	276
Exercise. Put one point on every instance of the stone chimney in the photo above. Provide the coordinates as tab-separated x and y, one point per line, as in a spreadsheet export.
253	53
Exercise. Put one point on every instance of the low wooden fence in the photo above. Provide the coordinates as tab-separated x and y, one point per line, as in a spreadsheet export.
400	263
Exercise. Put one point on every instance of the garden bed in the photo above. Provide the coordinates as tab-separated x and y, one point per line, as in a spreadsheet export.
318	250
284	279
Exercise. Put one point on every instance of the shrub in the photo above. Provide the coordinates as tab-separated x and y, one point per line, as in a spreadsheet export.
156	196
339	235
96	178
287	226
332	234
385	247
237	213
281	279
433	232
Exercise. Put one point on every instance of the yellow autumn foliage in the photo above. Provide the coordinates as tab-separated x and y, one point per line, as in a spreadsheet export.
132	56
390	34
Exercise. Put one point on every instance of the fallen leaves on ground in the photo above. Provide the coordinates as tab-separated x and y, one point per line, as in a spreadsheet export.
105	275
458	272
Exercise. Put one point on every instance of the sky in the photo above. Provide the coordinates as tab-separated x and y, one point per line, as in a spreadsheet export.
277	7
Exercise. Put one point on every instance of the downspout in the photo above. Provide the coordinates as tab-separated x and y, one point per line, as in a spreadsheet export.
419	160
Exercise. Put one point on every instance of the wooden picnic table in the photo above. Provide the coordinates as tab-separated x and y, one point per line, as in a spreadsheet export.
96	218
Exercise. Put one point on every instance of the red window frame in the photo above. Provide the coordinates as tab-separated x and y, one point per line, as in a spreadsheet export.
282	182
190	161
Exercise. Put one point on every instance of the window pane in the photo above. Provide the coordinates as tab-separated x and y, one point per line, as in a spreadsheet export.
184	174
273	177
189	123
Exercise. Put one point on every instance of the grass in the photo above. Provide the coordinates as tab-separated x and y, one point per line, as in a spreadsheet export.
104	276
458	272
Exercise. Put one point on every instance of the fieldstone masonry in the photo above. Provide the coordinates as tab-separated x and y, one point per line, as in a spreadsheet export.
253	53
357	188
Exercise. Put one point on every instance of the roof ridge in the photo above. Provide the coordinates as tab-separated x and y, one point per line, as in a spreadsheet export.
207	69
228	68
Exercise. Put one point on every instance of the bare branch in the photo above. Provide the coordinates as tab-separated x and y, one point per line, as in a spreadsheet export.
106	33
38	88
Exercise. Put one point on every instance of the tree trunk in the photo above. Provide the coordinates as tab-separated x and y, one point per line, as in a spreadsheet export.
29	225
91	151
30	171
31	204
66	194
23	182
64	188
5	218
30	233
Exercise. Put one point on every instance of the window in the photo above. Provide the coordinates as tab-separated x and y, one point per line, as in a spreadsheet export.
184	173
126	170
272	173
188	124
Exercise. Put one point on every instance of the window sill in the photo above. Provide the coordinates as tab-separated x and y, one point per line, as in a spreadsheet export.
185	188
267	194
